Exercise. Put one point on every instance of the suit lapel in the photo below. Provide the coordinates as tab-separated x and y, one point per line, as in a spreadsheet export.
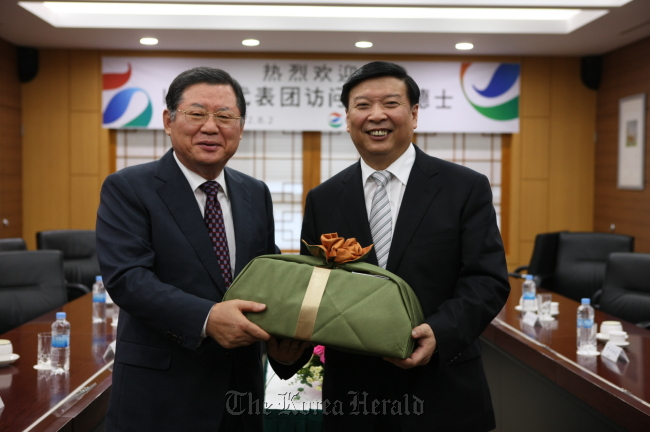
353	206
179	198
242	216
421	188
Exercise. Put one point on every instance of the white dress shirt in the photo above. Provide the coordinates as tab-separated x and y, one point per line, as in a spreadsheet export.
195	181
400	169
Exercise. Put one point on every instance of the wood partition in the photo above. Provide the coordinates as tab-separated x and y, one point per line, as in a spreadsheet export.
11	217
626	72
550	169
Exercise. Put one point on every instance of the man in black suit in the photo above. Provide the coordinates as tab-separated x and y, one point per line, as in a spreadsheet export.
171	236
433	224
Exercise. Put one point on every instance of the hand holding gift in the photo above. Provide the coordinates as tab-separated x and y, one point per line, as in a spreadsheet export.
332	299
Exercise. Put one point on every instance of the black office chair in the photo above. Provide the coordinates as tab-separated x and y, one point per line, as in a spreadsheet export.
80	264
542	261
626	290
31	284
581	261
12	244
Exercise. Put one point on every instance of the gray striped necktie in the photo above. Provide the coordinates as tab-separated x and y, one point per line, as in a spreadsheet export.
380	219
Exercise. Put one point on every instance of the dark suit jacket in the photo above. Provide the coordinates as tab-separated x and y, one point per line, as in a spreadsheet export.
447	246
159	267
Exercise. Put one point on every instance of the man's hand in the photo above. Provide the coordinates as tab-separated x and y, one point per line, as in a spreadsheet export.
230	328
426	345
285	351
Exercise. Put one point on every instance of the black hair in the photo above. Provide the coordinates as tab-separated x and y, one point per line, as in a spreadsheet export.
202	75
379	69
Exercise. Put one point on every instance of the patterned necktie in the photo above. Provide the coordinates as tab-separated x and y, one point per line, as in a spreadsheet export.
380	219
216	229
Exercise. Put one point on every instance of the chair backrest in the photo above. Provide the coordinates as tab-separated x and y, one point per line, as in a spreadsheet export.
626	289
544	258
12	244
79	249
581	261
31	284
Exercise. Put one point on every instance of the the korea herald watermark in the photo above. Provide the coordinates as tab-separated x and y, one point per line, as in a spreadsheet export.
243	403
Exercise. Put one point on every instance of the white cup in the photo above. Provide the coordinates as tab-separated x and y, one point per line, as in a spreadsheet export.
609	326
6	349
617	337
555	308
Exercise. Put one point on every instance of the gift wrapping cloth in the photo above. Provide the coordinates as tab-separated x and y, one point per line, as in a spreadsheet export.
332	299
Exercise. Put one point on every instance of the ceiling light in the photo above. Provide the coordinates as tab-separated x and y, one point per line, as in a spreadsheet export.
464	46
304	17
363	44
149	41
84	8
250	42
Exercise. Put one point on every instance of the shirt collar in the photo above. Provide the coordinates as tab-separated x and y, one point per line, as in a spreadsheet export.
196	180
401	168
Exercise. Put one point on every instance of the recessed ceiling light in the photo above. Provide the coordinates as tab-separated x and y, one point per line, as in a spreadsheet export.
149	41
250	42
363	44
464	46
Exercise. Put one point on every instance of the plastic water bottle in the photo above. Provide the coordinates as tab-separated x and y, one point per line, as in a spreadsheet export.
586	329
528	293
99	301
60	355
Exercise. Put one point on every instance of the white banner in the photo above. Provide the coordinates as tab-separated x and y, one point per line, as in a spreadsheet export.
303	95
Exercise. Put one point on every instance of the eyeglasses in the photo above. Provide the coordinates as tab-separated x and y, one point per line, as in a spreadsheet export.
198	116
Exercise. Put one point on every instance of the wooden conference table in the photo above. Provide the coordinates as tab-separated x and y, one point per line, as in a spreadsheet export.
33	398
538	382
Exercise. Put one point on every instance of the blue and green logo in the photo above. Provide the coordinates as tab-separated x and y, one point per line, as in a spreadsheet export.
501	85
120	102
335	120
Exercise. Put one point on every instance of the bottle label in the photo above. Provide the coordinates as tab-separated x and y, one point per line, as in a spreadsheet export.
585	323
99	297
529	296
60	341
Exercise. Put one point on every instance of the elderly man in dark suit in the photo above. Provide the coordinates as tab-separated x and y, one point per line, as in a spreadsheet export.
433	224
171	236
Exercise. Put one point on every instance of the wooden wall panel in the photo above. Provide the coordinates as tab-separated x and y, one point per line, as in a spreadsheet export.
533	208
46	120
535	85
85	94
552	183
311	146
11	224
626	72
9	84
534	147
84	200
571	179
84	137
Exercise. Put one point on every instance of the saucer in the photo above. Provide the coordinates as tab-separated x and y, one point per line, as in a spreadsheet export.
546	319
518	308
623	344
12	359
602	337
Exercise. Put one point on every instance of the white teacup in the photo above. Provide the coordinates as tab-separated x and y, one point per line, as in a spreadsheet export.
6	349
617	337
555	308
609	326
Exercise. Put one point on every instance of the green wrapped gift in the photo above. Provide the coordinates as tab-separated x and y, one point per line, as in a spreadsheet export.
351	306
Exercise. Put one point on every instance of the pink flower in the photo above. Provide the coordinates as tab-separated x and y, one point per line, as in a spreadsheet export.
319	350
